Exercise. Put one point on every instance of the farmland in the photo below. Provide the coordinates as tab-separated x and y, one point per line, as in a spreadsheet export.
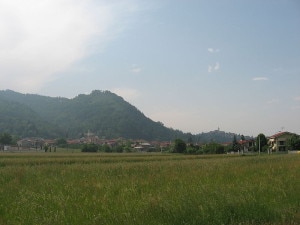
81	188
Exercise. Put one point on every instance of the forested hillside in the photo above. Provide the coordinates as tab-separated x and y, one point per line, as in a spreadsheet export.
21	120
101	112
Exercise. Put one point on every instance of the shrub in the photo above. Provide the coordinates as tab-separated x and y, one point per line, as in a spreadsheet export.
89	148
179	146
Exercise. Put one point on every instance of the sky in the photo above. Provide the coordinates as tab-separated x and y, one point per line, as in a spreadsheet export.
194	65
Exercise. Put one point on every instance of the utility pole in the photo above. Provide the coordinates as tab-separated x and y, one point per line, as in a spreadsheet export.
259	144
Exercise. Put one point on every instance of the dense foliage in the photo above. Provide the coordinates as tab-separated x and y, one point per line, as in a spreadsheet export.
295	142
179	146
89	148
261	143
5	139
19	119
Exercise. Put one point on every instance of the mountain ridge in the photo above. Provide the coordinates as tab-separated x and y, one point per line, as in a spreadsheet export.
102	112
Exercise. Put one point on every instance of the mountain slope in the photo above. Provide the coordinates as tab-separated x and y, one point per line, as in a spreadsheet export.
101	112
21	120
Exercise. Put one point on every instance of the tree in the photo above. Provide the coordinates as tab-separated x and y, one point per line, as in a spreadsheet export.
5	139
61	142
89	148
179	146
117	148
295	142
190	138
191	149
213	148
261	142
106	148
220	149
235	145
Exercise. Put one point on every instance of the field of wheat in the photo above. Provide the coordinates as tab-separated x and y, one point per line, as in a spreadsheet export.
92	189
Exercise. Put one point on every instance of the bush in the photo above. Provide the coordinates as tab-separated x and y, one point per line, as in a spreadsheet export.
5	139
118	148
220	150
89	148
106	148
191	150
61	142
179	146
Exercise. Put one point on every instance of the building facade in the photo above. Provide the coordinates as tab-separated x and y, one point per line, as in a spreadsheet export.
280	142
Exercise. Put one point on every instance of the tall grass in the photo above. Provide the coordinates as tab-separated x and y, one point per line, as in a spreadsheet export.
148	189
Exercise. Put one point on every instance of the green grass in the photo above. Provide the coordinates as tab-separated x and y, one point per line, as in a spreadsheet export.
81	188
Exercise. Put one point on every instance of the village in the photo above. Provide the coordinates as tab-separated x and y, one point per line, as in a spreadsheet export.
277	143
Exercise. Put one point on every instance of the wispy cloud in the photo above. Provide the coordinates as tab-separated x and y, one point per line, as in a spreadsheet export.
260	78
39	39
135	68
213	68
213	50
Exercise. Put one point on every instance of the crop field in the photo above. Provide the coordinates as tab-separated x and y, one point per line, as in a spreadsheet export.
135	189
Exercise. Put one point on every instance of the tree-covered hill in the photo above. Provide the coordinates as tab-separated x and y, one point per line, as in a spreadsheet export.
218	136
18	119
101	112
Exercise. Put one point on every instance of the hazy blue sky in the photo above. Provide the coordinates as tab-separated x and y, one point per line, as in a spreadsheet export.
194	65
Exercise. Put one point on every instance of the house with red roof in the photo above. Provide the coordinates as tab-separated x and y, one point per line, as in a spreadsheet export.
280	142
246	145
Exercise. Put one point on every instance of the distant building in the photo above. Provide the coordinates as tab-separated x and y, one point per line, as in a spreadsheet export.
246	145
31	142
280	142
91	138
143	146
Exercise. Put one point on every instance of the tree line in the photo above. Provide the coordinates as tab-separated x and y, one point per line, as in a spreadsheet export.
261	144
177	146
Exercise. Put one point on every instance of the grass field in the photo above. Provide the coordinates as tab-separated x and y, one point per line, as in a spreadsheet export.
86	189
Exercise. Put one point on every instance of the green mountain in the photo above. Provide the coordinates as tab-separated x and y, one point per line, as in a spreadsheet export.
21	120
101	112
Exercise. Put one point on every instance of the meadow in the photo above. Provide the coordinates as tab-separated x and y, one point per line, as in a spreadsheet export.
92	189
